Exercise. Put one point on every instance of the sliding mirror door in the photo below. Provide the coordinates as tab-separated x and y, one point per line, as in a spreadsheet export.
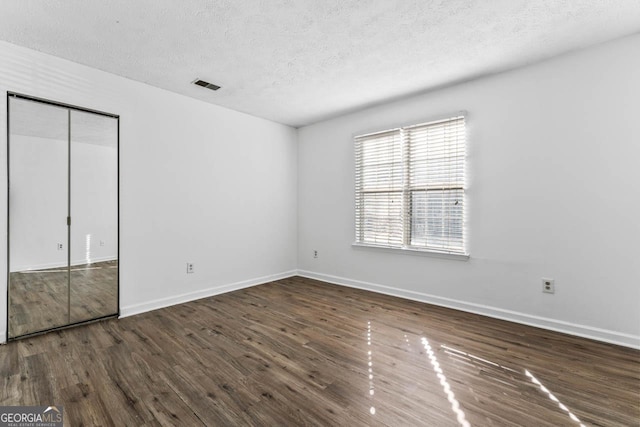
63	216
94	216
38	209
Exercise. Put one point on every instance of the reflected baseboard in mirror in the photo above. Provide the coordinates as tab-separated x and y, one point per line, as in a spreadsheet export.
39	299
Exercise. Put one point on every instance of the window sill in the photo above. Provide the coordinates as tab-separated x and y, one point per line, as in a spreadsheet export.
409	251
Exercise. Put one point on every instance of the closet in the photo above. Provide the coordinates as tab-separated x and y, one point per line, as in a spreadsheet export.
63	215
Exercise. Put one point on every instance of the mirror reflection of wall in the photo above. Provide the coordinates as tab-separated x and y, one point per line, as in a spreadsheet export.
63	162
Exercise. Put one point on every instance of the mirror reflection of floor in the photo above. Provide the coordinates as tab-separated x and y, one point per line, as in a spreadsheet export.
39	298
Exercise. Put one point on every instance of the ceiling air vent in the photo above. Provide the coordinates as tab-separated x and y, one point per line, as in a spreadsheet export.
205	84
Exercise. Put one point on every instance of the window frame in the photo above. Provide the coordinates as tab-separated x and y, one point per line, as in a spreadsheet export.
407	194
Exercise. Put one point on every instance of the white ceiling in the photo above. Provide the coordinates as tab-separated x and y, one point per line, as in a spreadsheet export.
300	61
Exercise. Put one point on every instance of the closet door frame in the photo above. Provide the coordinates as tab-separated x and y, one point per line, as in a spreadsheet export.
69	108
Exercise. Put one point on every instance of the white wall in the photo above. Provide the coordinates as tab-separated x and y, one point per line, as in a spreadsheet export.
553	152
198	183
94	202
38	208
38	202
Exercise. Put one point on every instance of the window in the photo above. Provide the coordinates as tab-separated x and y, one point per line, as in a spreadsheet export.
410	187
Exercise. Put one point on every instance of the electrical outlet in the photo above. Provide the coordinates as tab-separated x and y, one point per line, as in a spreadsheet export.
101	242
189	267
60	246
548	286
315	254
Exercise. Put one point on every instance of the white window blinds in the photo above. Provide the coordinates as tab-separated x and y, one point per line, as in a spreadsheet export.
410	187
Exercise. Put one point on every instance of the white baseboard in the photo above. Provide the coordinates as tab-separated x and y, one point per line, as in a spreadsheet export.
590	332
3	337
58	265
191	296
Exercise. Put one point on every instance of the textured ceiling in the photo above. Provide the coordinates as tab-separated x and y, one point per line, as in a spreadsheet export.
301	61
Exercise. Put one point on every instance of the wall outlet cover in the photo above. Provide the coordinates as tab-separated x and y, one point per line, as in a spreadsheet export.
548	286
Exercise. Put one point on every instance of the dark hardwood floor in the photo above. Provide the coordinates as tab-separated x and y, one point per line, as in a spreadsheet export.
40	299
303	352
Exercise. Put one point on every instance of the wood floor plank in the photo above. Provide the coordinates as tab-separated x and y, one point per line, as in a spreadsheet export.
303	352
40	299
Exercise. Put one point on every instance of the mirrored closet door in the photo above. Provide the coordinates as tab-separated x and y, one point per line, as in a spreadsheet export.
63	215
